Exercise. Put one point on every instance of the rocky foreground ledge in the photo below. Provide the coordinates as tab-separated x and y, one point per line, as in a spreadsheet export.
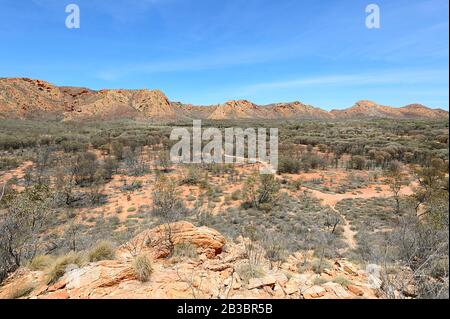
212	274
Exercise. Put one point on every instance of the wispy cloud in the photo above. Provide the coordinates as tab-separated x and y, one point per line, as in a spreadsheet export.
195	63
398	77
224	58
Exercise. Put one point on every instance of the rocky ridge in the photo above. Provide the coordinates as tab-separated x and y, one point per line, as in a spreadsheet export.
27	98
213	274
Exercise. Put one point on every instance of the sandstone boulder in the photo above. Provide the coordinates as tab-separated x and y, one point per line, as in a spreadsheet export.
314	292
355	290
157	241
337	290
261	282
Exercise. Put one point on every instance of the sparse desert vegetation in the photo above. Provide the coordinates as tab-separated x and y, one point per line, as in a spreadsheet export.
348	195
226	151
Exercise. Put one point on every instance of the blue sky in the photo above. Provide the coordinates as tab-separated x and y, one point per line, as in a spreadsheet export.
210	51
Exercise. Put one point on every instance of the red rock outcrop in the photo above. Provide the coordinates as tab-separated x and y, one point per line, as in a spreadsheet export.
368	109
214	274
28	98
159	240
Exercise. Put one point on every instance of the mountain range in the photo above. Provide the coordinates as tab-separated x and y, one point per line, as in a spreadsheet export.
28	98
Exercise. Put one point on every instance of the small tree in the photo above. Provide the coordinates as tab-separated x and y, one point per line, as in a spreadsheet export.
163	161
167	206
260	191
396	179
358	162
165	197
64	184
84	167
134	159
97	186
275	248
433	186
72	235
43	159
268	189
289	165
26	218
117	149
250	191
110	166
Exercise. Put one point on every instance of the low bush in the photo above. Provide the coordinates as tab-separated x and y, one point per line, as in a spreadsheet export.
142	268
247	272
104	250
317	265
185	250
8	163
342	281
236	195
319	281
289	165
58	268
41	262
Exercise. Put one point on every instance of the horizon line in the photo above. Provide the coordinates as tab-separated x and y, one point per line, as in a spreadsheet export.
223	102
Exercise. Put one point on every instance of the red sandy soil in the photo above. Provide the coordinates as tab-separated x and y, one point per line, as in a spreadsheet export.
118	202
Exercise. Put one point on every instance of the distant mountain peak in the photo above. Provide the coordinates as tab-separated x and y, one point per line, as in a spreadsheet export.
366	103
240	103
25	98
414	106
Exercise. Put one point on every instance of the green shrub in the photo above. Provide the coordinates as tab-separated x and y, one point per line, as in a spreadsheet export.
192	176
8	163
73	146
265	207
289	165
297	184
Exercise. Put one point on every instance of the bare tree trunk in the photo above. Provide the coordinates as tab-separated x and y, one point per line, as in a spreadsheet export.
3	191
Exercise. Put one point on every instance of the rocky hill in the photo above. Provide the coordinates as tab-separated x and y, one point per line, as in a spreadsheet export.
27	98
369	109
298	110
241	109
215	272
